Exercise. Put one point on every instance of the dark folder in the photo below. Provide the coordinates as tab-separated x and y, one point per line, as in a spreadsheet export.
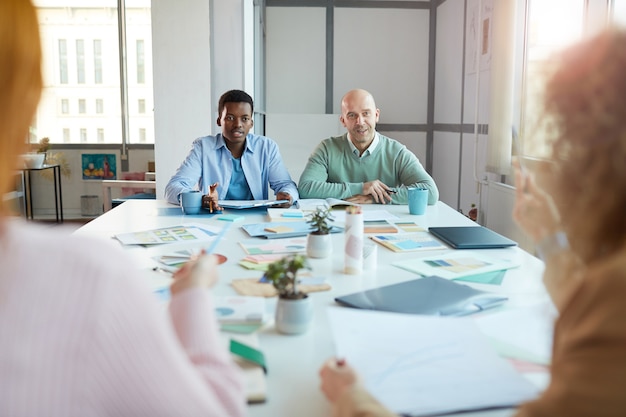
471	237
430	295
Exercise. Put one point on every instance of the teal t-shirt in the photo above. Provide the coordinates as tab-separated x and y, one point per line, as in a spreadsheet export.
238	189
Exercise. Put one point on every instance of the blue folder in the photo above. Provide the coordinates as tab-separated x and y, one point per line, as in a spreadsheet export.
429	295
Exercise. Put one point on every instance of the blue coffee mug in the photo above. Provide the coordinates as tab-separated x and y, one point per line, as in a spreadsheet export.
191	202
418	200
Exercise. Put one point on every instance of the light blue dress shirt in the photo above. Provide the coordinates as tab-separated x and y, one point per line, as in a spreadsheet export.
209	161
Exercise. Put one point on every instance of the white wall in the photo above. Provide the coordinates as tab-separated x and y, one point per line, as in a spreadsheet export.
296	75
182	81
384	51
295	60
296	143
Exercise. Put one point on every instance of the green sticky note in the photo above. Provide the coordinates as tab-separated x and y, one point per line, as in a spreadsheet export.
230	217
248	353
493	278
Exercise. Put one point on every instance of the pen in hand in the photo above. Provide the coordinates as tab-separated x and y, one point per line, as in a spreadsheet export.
212	203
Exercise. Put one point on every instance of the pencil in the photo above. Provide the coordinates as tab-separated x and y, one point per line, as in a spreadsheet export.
217	239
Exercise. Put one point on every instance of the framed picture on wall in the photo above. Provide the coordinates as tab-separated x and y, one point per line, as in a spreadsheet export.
99	166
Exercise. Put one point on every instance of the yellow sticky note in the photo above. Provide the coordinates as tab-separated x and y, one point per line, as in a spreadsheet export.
278	229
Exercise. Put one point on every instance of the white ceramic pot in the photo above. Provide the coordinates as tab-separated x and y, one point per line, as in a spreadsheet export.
33	160
293	316
319	246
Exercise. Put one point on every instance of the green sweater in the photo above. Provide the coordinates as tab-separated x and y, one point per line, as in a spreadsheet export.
334	171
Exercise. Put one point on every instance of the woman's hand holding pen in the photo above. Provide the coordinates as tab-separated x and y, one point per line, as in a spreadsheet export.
337	377
200	271
210	200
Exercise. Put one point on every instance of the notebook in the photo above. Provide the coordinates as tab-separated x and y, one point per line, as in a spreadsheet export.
429	295
471	237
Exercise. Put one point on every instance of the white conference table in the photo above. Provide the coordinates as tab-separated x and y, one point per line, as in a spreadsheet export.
293	361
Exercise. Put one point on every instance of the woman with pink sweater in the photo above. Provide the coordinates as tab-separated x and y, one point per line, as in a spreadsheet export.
80	333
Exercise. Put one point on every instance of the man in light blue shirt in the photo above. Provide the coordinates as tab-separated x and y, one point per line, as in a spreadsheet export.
234	164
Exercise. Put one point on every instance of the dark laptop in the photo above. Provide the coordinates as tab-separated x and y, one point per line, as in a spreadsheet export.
471	237
429	295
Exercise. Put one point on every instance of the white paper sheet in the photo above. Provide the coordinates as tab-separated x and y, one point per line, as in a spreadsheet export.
522	333
422	365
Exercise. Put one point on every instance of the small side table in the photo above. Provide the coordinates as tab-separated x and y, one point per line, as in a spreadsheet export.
28	193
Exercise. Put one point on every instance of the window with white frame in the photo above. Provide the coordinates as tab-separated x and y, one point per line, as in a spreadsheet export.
65	106
83	135
546	34
86	44
99	106
80	61
97	61
141	62
63	76
82	106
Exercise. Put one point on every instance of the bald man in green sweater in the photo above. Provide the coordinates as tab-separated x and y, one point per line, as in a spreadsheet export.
363	166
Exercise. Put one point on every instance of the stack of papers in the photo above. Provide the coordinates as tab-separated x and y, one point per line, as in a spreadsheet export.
278	230
173	261
457	264
250	358
285	214
259	262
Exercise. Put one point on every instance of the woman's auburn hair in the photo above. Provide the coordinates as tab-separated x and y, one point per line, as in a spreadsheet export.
586	100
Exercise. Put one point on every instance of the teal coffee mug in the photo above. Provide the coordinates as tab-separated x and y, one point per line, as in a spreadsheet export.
191	202
418	200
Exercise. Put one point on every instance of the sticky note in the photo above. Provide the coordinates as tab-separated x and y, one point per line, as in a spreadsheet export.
230	217
293	213
279	229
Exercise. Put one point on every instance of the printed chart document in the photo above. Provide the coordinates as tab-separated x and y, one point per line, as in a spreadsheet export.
408	242
174	234
456	264
442	365
238	309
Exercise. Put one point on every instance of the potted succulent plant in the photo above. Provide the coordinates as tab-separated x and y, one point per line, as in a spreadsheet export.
319	243
293	308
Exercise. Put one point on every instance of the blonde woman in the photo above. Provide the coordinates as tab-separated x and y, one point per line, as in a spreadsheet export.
80	334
